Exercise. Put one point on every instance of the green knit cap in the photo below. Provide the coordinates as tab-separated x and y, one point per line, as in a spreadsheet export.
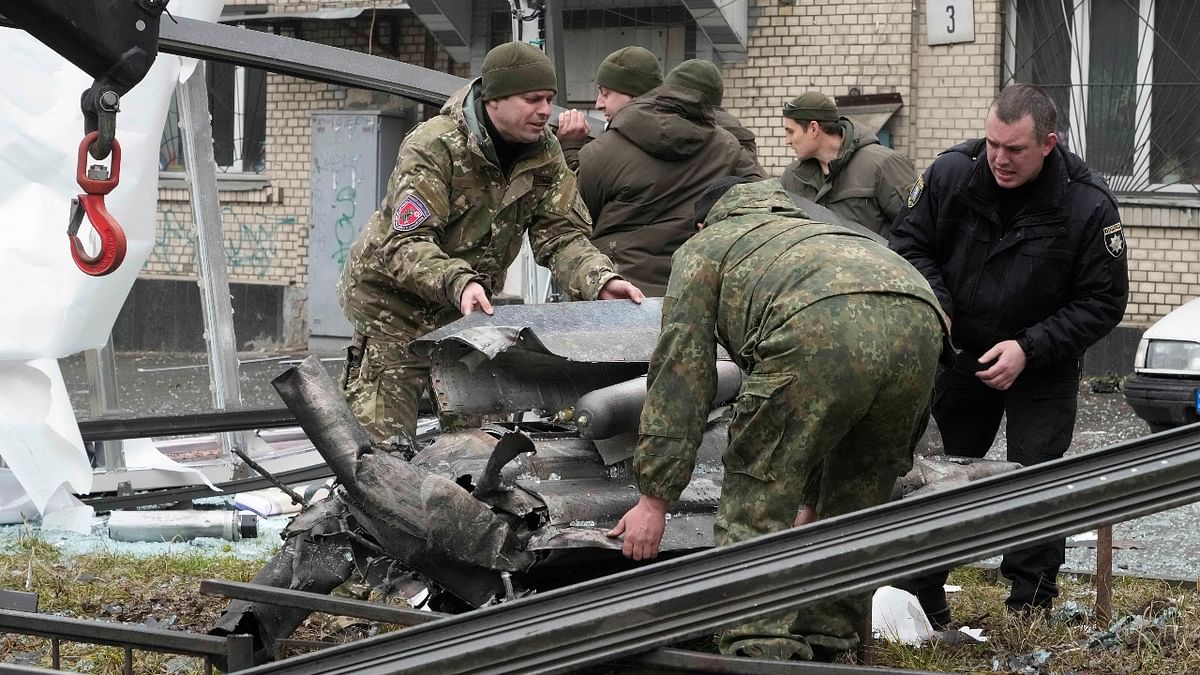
629	70
701	76
811	105
515	68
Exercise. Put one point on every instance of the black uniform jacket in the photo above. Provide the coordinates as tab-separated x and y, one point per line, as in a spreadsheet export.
1055	280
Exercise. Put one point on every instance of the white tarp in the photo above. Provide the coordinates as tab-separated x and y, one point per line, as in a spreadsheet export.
49	308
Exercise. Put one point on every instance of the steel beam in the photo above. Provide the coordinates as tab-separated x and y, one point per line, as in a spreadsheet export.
309	60
107	429
112	502
664	603
317	62
102	381
678	660
317	602
236	649
686	661
201	171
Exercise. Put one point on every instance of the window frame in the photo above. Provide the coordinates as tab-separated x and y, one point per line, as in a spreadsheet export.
1079	38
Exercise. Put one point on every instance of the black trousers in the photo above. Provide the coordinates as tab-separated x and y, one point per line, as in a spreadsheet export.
1040	406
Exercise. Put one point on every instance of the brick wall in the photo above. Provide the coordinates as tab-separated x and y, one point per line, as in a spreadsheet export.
955	84
838	45
1164	259
266	227
831	46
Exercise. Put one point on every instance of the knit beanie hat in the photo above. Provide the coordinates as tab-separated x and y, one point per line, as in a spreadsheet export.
811	105
629	70
515	68
701	76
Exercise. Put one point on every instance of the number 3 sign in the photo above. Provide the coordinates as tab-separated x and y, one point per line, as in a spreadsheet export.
950	21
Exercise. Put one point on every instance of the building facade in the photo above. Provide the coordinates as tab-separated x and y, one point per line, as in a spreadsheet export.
1129	106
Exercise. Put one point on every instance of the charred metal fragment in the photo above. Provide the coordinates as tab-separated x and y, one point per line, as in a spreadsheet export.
538	357
315	557
407	508
937	473
491	514
511	444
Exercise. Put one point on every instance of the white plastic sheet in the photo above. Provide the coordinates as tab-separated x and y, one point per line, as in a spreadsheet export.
49	308
39	437
896	616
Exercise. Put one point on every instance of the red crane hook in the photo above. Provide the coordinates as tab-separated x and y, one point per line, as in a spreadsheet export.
91	204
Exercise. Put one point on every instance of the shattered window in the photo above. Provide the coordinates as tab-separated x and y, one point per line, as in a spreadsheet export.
1126	78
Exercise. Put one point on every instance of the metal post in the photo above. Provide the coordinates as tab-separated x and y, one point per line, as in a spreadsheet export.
102	381
210	248
556	46
527	20
1104	575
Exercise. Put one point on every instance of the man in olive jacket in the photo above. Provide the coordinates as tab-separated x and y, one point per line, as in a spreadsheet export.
704	77
468	185
840	338
641	178
840	167
622	76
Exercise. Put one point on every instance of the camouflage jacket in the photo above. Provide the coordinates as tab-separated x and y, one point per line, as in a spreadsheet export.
450	217
867	183
741	280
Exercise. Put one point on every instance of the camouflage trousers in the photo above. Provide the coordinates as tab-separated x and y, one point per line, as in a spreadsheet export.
829	415
383	382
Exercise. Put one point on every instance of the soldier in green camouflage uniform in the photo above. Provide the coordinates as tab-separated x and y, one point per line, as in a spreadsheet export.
840	339
467	185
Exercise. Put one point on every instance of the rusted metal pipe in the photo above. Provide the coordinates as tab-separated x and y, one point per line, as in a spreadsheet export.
1104	575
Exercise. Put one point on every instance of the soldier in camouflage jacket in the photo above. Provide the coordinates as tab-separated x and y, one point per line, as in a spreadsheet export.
840	339
467	185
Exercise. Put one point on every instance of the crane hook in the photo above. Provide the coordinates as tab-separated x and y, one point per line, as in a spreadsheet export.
96	182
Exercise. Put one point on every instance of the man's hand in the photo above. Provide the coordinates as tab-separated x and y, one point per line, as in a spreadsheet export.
474	297
573	126
1009	361
619	289
807	514
643	527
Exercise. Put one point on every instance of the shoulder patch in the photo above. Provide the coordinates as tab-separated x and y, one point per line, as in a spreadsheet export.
915	194
409	213
1114	240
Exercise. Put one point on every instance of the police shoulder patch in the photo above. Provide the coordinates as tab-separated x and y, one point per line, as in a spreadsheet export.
915	194
409	213
1114	240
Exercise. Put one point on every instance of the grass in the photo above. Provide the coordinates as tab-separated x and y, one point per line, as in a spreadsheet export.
1157	630
159	591
1159	622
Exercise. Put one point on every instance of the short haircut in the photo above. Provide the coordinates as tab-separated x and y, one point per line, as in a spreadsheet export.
1018	100
827	128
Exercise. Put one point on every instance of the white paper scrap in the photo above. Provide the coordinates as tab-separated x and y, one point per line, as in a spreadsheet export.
39	439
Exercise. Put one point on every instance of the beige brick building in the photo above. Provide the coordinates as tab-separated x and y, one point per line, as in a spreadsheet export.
769	51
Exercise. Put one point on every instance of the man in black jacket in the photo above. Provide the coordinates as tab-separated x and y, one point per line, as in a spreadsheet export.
1023	247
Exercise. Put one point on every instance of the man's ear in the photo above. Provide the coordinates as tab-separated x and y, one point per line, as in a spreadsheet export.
1049	143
